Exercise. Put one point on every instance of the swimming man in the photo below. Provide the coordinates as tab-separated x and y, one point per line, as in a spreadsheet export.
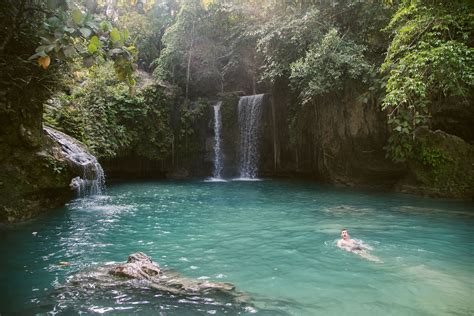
352	245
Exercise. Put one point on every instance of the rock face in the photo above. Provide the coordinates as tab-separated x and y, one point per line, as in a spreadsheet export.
132	167
140	270
337	141
36	177
444	166
341	140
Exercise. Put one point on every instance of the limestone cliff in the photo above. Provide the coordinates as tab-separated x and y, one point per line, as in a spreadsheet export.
37	178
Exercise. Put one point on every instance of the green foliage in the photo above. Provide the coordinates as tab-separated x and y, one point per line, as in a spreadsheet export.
147	29
429	60
111	122
187	134
191	115
76	34
179	41
433	157
194	54
54	164
327	65
285	38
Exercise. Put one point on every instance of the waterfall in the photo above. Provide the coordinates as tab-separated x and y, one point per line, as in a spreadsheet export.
93	179
218	159
250	114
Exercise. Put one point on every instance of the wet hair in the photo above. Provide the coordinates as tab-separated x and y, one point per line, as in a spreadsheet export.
344	229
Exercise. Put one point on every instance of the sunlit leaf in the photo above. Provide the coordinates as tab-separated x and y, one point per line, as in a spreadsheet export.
94	44
77	16
95	40
92	48
115	35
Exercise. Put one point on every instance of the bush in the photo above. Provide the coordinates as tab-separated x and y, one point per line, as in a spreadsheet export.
102	114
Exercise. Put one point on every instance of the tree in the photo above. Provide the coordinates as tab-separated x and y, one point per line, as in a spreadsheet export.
73	33
326	65
180	40
429	60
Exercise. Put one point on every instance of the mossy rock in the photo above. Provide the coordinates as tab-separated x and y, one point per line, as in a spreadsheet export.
443	165
35	179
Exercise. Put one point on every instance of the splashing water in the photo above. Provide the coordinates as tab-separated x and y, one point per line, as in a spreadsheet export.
92	181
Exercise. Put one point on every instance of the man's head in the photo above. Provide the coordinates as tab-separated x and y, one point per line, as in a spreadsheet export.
344	234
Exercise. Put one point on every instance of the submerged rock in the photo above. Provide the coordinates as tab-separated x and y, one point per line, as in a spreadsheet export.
140	271
140	267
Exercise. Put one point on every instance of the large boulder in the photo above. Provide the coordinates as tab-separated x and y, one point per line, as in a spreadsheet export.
39	177
443	166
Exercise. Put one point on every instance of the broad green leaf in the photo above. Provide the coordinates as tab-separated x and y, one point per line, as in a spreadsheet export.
69	29
77	16
94	44
40	48
105	26
45	40
38	54
95	40
115	35
91	48
53	20
125	35
86	32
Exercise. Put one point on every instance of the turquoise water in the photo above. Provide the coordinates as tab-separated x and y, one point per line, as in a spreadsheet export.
275	240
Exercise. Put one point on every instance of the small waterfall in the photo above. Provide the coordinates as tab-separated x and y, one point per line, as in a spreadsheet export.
218	159
250	115
92	181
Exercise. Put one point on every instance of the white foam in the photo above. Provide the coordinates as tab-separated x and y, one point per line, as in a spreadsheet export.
247	179
212	179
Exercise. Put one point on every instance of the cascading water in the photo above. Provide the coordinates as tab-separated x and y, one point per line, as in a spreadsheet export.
93	177
250	115
218	159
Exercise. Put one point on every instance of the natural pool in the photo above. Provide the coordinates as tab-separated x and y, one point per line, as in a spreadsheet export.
273	239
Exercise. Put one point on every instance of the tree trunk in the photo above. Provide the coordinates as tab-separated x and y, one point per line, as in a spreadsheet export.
190	56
